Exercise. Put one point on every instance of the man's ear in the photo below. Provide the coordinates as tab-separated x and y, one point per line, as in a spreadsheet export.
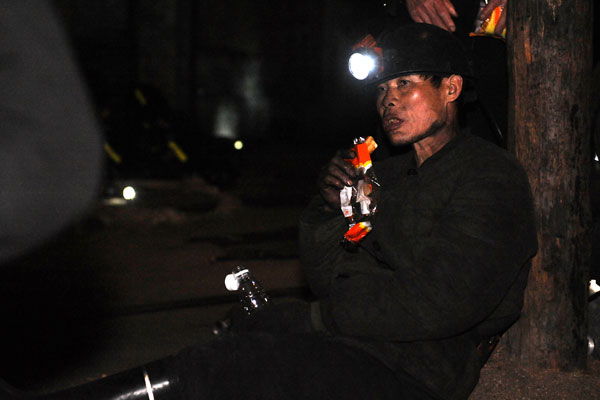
454	86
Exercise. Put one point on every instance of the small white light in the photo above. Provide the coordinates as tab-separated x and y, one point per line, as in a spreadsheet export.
238	145
361	65
128	193
591	346
594	287
596	158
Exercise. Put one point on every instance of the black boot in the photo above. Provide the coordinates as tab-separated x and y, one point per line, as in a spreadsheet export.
149	382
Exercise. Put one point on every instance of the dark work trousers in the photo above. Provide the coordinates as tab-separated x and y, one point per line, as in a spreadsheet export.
292	366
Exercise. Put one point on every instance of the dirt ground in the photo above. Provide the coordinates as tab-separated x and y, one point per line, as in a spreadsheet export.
504	379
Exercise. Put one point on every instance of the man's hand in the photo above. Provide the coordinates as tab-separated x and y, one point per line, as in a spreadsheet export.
434	12
486	13
334	176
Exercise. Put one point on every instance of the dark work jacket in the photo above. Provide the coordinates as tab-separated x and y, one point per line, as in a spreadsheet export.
445	265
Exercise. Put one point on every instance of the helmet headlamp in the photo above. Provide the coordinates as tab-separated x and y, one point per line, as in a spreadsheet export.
365	60
361	65
409	49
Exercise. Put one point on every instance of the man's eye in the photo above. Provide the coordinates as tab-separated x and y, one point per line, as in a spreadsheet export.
381	89
403	82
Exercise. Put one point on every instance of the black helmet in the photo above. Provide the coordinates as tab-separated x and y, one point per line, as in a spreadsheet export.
414	48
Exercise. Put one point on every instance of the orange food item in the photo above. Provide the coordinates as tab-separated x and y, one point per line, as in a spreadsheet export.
357	232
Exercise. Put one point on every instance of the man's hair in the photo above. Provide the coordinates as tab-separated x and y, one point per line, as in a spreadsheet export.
468	86
436	80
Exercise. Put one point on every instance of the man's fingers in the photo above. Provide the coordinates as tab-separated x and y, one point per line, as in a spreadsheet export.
340	162
414	8
486	15
332	181
447	21
439	15
447	13
337	175
345	154
329	187
451	9
422	17
486	12
434	12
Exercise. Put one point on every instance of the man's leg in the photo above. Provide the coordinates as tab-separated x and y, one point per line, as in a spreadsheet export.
252	366
266	366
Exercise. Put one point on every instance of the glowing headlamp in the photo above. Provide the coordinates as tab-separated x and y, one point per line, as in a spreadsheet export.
361	65
366	59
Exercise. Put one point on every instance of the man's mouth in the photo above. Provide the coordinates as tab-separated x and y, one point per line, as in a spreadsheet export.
392	123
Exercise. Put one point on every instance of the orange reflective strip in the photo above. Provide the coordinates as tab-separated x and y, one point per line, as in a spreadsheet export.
368	41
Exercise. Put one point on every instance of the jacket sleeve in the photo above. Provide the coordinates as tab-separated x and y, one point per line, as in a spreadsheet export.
441	285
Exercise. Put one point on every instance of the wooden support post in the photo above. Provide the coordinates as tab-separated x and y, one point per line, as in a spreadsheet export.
550	67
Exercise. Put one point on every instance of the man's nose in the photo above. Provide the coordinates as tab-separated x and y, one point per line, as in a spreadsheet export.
390	99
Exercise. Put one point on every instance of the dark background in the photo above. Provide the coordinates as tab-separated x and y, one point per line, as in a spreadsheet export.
212	71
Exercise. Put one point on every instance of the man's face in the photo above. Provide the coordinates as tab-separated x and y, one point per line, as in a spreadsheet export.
411	109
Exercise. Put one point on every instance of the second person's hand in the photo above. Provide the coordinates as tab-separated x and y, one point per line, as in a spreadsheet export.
435	12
